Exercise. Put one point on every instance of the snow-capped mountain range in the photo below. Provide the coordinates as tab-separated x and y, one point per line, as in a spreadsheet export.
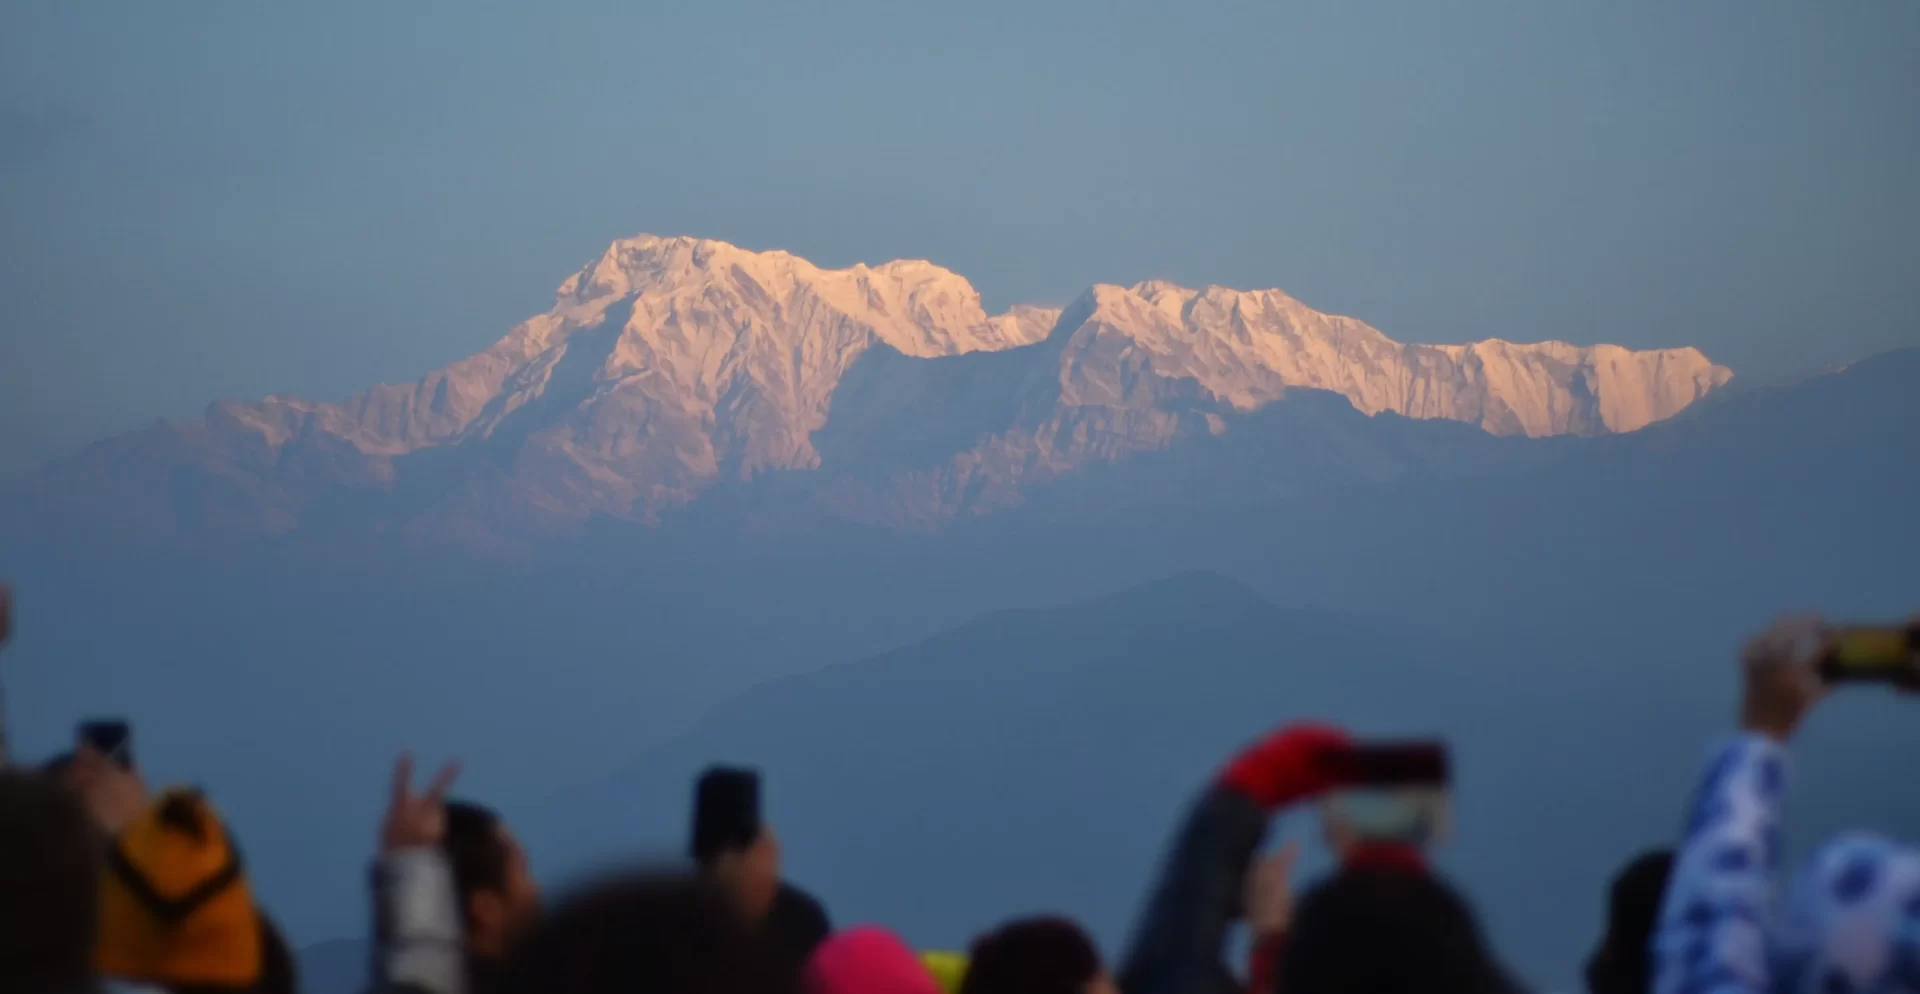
669	365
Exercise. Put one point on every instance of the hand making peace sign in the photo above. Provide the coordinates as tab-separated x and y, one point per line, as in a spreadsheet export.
416	820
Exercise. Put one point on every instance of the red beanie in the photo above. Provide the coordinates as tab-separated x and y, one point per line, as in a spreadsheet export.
867	960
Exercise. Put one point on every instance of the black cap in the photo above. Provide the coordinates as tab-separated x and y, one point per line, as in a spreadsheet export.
726	812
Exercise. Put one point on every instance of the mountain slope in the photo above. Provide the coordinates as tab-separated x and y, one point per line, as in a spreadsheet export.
671	364
1794	494
1158	366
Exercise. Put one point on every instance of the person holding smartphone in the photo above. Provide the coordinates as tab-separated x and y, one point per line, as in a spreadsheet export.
1851	918
176	909
1382	922
733	846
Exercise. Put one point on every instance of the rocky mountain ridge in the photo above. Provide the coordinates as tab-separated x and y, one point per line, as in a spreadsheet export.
668	365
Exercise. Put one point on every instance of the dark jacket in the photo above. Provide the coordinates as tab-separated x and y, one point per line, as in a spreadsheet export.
1180	944
483	974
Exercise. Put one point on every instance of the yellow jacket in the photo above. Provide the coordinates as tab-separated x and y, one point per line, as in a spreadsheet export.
175	907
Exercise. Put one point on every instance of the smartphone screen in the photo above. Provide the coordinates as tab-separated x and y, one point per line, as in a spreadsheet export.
112	739
1874	653
1389	791
1406	815
1873	647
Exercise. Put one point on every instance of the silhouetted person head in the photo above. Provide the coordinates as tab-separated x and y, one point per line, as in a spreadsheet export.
49	886
58	767
644	933
732	843
795	927
1377	929
1621	965
492	877
1036	956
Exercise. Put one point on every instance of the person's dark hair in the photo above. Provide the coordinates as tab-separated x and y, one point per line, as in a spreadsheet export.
474	847
1369	929
49	885
795	927
644	932
58	765
1620	965
279	973
1031	956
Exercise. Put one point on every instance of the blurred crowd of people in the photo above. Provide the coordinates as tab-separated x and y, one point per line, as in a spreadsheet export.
107	885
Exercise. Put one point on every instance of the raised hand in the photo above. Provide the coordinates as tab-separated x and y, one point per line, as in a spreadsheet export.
416	820
1269	897
113	796
1781	672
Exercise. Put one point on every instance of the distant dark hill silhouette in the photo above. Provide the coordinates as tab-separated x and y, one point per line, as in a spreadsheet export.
976	773
1801	493
1035	760
336	967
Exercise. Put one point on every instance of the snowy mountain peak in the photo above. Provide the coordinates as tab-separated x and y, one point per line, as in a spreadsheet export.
913	305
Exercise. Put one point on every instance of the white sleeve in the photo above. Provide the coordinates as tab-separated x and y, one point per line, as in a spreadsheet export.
417	942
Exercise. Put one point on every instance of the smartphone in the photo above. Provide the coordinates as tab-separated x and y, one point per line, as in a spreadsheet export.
1411	763
1877	653
1394	792
110	738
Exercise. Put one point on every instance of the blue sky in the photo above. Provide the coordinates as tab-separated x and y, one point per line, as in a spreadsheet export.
202	200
